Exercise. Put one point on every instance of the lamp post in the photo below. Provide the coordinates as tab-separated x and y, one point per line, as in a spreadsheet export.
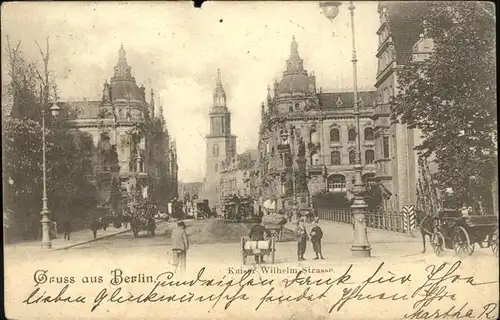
360	246
45	213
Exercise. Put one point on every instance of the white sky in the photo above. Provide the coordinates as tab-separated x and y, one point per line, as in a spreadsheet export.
179	48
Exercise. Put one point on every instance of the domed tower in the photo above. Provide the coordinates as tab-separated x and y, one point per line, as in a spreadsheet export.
123	86
297	89
221	144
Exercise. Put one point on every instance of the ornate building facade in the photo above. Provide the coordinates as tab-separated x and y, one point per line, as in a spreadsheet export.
237	175
307	138
402	39
220	142
133	155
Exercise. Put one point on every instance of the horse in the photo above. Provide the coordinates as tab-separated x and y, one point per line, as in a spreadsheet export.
427	225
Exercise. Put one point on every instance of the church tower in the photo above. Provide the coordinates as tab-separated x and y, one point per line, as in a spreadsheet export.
221	144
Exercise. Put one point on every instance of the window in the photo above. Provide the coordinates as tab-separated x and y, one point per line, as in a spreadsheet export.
369	134
335	157
386	147
334	135
215	150
369	156
352	157
216	169
351	135
106	142
336	183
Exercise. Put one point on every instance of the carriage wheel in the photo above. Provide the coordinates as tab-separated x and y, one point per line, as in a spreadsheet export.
437	243
461	242
494	243
243	256
273	250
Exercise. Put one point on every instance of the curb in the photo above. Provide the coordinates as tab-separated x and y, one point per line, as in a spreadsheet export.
92	240
96	239
415	233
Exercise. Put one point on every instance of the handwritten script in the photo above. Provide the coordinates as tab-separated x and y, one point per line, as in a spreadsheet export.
339	291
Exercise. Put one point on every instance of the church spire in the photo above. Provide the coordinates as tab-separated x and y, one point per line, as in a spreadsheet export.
219	93
152	103
269	98
294	49
122	56
122	69
294	64
160	110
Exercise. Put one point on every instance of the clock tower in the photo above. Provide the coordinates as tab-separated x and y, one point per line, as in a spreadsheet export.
221	144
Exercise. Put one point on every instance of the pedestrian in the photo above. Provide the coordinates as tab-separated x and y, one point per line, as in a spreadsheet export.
257	233
302	238
94	226
180	246
67	228
316	236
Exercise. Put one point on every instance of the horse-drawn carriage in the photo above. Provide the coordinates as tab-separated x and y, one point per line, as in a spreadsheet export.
457	231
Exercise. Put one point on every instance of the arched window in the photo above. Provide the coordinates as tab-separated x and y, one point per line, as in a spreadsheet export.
334	135
106	142
216	169
216	150
335	157
369	134
352	157
336	183
351	135
369	156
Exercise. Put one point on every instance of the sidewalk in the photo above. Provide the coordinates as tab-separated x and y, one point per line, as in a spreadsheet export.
77	238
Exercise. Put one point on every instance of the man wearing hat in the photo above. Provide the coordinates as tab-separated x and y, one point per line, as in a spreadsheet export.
180	246
316	236
302	238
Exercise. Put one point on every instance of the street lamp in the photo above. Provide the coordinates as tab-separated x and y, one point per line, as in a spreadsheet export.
360	246
45	213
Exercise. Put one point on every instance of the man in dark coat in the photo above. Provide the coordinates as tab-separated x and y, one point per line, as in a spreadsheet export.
95	225
257	233
67	228
302	238
316	236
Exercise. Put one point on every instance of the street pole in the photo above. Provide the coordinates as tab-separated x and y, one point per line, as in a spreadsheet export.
360	246
46	243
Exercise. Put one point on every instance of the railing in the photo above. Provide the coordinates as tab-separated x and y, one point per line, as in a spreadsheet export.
342	215
392	221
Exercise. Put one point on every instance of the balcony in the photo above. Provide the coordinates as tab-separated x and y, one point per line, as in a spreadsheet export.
339	187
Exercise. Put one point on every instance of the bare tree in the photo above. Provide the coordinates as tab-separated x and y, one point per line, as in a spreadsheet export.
21	90
45	77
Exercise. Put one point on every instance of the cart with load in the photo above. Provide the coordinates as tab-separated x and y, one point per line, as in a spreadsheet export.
457	231
257	248
143	220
